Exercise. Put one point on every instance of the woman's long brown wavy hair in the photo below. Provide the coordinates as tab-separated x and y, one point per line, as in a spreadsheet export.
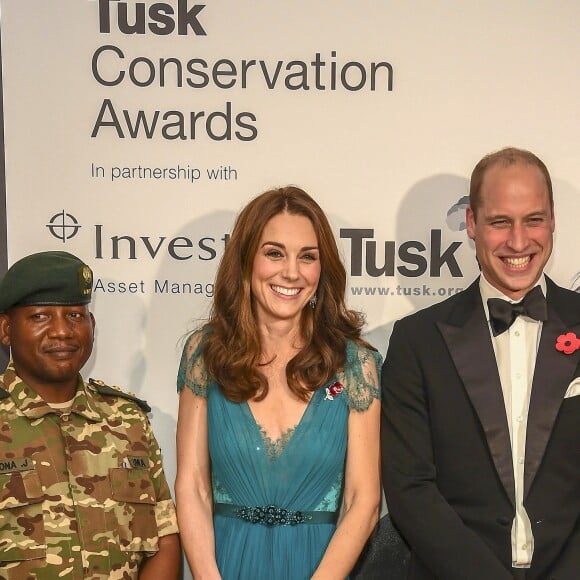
232	349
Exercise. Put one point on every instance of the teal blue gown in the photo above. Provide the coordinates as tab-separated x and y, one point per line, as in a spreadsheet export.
303	471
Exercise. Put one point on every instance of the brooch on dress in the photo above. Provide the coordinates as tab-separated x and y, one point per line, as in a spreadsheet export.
333	391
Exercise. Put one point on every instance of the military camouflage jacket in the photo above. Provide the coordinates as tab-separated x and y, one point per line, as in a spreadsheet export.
82	493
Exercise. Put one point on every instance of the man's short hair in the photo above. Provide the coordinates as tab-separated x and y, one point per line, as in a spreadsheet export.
505	158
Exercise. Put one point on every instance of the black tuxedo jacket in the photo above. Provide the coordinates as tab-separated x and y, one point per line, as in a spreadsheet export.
447	462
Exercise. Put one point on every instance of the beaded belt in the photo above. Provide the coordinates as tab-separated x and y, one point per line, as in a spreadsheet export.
271	515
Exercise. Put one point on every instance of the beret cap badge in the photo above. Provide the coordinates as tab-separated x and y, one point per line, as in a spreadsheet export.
86	280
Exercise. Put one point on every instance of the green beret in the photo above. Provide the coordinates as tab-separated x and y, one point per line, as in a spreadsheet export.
46	278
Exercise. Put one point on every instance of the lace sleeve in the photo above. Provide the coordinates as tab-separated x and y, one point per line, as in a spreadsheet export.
360	377
192	372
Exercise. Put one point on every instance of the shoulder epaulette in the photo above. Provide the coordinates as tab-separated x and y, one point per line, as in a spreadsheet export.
109	391
4	394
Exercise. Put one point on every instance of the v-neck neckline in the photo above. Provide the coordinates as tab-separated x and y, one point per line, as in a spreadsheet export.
287	436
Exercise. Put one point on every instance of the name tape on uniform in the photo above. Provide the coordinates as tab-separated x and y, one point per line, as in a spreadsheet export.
16	464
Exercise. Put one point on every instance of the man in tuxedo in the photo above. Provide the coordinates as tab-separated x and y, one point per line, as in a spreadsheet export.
481	418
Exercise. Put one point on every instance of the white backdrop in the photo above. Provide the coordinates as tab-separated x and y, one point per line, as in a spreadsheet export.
109	156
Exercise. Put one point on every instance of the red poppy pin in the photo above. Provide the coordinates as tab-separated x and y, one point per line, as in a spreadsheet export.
333	391
568	343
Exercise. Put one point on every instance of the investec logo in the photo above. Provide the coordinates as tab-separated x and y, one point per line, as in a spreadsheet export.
64	226
368	256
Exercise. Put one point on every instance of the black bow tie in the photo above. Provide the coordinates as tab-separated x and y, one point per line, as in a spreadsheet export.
502	313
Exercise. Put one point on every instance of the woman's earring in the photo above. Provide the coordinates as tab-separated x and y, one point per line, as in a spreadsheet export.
313	301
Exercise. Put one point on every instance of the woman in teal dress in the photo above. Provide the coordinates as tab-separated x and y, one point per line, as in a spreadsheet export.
278	429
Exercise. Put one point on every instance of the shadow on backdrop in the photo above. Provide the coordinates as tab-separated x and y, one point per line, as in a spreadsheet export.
436	202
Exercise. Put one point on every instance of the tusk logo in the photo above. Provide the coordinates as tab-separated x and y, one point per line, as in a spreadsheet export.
63	226
455	218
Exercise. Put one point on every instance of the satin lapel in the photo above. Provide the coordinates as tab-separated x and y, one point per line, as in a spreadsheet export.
553	373
467	336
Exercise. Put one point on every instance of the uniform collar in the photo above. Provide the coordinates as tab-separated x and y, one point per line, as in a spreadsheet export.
33	406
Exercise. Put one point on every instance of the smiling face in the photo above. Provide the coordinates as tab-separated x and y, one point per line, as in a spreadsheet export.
512	228
286	269
49	346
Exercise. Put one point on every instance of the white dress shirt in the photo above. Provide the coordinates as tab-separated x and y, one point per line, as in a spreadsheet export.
515	354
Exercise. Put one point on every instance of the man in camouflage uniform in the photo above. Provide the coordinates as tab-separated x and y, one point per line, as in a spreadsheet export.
82	488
